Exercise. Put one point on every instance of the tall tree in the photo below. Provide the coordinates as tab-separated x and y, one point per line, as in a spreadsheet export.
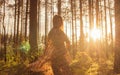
75	15
90	16
18	22
73	40
21	30
101	20
106	32
4	32
117	37
111	24
52	12
97	13
105	20
39	19
59	7
33	26
46	20
81	25
90	23
26	19
15	22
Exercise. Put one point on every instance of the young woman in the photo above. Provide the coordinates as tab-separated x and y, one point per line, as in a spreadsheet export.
60	42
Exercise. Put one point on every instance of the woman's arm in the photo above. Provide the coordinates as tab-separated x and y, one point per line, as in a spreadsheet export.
67	41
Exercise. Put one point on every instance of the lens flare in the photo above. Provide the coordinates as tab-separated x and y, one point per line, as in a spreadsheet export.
95	34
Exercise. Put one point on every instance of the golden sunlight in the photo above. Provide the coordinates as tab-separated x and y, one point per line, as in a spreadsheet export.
95	34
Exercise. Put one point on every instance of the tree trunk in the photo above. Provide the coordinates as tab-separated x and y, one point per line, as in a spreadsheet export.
59	7
15	23
75	24
106	33
97	13
117	37
105	20
26	20
73	41
4	33
18	22
81	27
33	26
90	14
38	17
90	24
111	24
21	30
46	21
90	17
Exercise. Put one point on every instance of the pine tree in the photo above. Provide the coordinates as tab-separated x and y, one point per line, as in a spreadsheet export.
59	7
33	35
117	37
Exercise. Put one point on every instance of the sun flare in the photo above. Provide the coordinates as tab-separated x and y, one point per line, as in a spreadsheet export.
95	34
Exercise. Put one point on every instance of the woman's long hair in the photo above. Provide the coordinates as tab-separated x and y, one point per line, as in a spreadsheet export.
57	22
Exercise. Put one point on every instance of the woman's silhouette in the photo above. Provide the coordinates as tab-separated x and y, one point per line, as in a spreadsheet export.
61	43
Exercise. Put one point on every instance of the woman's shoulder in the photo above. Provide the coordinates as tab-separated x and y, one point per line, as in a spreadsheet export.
54	31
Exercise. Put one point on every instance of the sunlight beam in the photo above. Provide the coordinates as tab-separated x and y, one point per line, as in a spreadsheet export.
95	34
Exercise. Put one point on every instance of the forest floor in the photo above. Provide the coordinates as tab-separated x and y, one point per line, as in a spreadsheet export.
101	69
83	64
46	69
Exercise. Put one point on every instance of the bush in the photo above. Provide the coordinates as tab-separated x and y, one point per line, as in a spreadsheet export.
81	63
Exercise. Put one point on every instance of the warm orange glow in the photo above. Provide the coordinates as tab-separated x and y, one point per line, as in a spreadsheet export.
95	34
